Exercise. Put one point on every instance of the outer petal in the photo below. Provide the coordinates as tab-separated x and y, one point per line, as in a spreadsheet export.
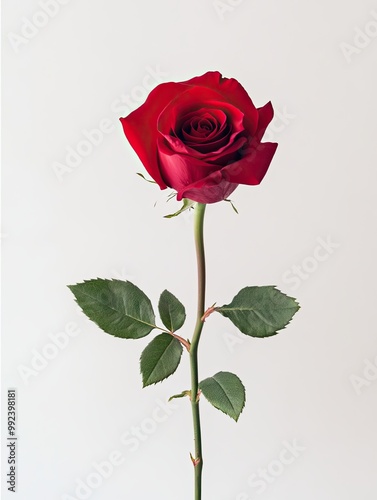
251	168
140	126
211	189
180	170
265	115
222	156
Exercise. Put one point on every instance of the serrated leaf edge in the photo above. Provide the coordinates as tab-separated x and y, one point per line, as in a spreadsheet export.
111	308
296	308
217	407
167	376
170	327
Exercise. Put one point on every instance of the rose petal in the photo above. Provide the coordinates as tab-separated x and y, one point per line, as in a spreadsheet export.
233	92
252	168
202	128
179	170
223	155
140	126
218	116
235	119
266	113
215	145
211	189
192	99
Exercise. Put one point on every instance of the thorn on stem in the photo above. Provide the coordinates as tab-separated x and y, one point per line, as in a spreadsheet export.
195	461
208	312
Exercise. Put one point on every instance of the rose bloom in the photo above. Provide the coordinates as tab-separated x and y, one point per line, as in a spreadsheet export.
201	137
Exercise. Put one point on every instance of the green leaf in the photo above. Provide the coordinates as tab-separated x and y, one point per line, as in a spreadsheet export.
160	359
118	307
260	311
225	392
172	311
186	205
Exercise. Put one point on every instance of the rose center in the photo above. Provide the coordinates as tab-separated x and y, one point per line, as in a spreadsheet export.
198	127
204	130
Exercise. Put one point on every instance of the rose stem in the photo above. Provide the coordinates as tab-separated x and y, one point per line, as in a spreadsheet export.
199	244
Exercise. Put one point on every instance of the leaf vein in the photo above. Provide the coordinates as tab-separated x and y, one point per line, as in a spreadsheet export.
127	315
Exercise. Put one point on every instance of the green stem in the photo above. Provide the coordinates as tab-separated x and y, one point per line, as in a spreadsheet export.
199	244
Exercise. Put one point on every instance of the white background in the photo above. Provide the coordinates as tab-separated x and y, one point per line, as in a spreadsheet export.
313	384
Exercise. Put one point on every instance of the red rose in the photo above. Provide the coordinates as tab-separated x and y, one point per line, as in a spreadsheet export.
201	137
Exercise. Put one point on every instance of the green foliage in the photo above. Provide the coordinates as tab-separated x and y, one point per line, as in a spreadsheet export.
160	359
118	307
172	311
225	392
260	311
